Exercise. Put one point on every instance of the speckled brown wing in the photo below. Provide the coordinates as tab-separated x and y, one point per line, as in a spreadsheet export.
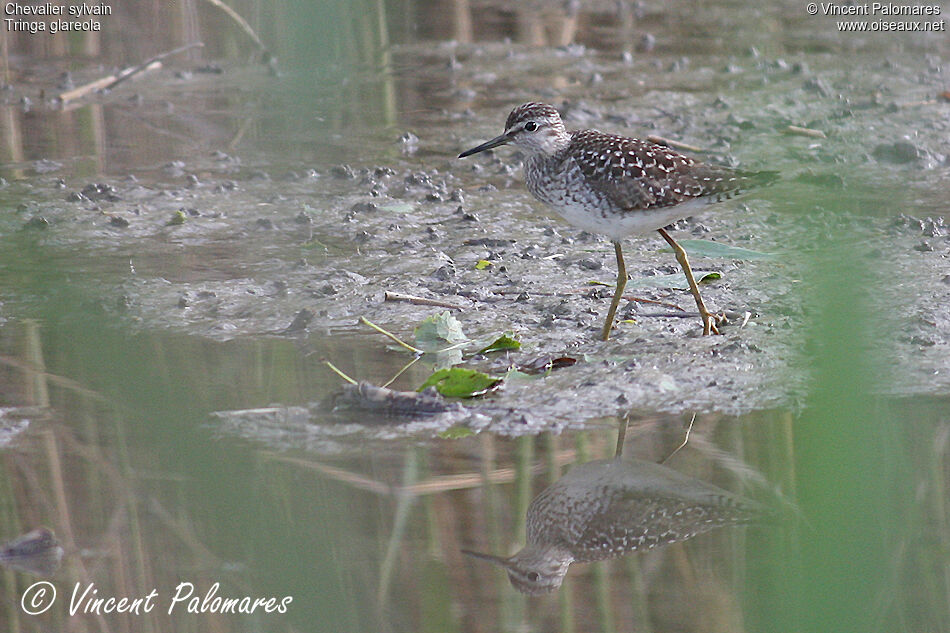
635	524
635	521
605	508
635	174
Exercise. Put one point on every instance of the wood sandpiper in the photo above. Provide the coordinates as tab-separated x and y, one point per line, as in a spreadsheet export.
606	508
617	186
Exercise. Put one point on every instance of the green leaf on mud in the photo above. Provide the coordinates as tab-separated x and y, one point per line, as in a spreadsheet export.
439	330
482	264
178	218
461	383
500	344
456	432
707	248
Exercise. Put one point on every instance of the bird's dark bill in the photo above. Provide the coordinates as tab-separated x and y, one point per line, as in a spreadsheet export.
495	142
498	560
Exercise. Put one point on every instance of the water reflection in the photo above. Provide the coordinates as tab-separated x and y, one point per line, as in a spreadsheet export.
606	508
365	537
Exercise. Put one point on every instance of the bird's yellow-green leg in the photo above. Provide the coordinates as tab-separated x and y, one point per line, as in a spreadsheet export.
709	327
621	282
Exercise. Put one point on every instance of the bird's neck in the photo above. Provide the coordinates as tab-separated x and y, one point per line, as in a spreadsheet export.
550	554
556	143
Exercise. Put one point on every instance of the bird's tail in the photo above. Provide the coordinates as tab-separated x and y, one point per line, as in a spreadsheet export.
755	179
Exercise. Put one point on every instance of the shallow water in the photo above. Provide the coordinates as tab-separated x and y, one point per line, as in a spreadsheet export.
167	407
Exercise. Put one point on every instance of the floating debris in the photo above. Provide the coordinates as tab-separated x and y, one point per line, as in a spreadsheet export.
369	397
36	552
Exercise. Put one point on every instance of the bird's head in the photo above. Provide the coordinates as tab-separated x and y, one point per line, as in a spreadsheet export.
531	571
534	127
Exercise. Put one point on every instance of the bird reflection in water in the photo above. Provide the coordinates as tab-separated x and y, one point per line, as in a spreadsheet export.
609	507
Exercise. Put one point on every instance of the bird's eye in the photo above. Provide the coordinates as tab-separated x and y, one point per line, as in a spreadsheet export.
533	576
530	126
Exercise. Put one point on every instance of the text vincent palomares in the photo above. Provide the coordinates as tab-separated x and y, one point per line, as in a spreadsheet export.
86	600
877	8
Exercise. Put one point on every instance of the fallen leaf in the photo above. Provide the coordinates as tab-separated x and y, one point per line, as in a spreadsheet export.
438	331
547	363
461	383
502	343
